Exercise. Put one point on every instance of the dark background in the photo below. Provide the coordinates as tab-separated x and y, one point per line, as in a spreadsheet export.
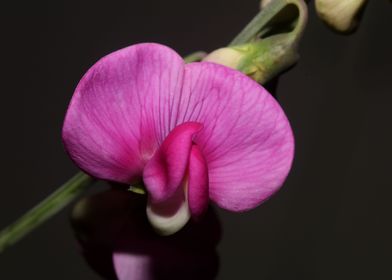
331	220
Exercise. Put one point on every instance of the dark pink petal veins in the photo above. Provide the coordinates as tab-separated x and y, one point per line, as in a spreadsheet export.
246	140
165	172
197	182
122	111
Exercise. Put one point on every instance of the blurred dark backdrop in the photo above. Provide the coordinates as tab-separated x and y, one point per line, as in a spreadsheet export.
332	219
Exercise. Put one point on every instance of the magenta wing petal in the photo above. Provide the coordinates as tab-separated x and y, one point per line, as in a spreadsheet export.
246	140
198	183
165	172
120	112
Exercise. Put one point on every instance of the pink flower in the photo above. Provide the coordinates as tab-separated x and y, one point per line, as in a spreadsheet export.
190	133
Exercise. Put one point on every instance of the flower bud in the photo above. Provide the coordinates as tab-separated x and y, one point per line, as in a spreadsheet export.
263	50
340	15
229	57
260	60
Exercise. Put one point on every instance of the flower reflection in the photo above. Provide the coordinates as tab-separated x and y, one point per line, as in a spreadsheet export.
118	242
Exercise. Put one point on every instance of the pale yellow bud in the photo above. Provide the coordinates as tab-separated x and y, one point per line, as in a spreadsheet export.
226	56
339	14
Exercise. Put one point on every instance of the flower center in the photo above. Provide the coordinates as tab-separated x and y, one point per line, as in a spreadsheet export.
176	180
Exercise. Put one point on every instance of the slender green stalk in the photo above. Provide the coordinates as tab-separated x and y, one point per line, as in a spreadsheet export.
258	22
44	210
264	17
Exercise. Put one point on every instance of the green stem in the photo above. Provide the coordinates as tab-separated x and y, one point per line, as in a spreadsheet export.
44	210
264	17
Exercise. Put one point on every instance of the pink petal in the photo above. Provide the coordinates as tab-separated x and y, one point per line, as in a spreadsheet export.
165	172
133	266
246	140
121	111
198	182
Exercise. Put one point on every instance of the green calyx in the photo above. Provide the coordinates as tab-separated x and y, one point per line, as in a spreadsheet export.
264	59
273	47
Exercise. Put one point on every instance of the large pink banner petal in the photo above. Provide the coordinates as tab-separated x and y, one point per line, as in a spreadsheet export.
121	111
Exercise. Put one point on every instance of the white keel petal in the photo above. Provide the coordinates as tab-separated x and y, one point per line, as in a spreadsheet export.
169	216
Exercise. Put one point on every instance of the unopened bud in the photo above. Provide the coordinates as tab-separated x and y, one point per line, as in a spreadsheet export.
340	15
266	54
229	57
260	60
